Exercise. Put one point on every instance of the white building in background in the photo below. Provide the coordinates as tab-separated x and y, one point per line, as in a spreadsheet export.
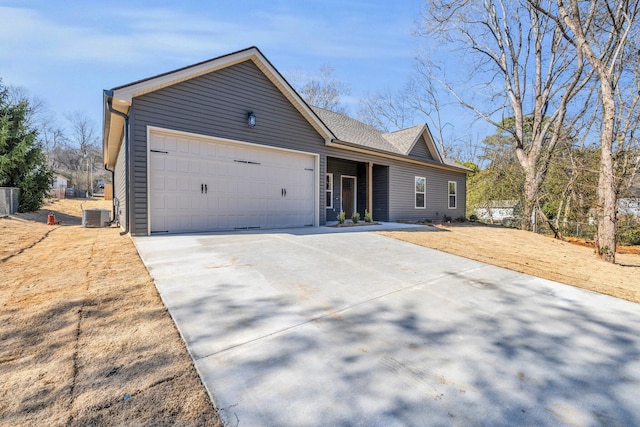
629	206
498	210
60	181
59	186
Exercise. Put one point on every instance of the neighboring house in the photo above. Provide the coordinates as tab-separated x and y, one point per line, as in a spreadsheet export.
629	206
59	186
498	210
228	144
59	181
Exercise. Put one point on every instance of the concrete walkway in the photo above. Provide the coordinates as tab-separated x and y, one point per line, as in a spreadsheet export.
315	327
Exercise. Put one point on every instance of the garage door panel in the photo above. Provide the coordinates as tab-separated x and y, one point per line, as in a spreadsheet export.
170	183
245	186
158	182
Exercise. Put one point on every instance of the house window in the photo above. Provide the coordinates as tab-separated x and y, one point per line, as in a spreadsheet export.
453	194
329	191
421	195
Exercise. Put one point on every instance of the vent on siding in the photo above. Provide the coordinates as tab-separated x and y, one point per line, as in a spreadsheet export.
95	218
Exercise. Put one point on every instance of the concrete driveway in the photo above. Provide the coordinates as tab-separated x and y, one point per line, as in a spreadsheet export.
322	328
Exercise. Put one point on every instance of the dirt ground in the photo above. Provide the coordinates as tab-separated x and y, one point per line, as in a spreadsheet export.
85	337
534	254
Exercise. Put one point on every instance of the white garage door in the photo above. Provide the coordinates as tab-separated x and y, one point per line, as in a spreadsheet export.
212	185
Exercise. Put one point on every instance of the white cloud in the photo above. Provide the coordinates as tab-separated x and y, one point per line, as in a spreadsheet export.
67	48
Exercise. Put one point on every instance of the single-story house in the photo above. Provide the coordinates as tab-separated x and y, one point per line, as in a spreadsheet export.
498	210
228	144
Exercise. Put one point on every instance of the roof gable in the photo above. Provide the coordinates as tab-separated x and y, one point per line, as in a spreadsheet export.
333	127
425	137
401	142
121	97
404	139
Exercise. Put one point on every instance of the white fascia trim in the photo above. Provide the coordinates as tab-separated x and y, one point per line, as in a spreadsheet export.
415	140
125	95
293	97
431	145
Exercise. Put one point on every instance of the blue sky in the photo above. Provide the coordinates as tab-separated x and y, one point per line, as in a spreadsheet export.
66	52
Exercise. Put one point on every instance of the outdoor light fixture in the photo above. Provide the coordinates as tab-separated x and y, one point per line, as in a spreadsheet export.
251	119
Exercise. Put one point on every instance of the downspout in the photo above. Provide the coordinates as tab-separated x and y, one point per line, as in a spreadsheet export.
109	95
113	192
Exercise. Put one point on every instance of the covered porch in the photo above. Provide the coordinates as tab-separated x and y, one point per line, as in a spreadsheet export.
354	186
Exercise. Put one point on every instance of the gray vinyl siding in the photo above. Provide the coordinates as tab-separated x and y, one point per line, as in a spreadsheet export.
420	150
119	186
402	197
401	178
216	105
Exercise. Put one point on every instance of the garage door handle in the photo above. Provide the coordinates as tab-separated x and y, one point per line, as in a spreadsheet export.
285	192
205	189
201	188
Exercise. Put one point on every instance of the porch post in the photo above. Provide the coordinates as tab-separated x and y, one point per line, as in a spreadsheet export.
370	188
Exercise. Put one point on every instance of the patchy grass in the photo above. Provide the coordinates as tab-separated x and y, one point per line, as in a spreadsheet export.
85	337
534	254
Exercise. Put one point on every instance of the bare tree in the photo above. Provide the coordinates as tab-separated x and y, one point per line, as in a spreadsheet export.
322	89
426	98
529	72
417	101
627	94
81	156
386	110
602	32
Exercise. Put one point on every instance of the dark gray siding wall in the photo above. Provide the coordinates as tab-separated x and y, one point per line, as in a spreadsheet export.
402	187
216	105
420	150
119	186
340	167
380	193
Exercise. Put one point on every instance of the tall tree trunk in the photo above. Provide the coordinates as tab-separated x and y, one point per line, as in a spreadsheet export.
531	190
607	221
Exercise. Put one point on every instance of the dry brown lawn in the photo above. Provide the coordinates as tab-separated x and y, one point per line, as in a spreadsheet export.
85	337
534	254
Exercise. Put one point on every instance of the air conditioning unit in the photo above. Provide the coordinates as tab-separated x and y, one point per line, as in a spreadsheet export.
95	218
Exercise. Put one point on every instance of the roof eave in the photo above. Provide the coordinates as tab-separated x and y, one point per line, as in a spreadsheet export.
113	129
123	95
368	150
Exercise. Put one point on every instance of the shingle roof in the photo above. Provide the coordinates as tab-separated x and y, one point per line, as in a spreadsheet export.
403	139
351	130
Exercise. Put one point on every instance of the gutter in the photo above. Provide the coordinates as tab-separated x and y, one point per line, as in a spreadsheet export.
108	96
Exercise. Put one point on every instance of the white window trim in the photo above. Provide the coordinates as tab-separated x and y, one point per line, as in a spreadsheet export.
455	194
329	177
416	192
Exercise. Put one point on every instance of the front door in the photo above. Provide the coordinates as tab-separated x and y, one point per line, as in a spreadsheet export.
348	195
